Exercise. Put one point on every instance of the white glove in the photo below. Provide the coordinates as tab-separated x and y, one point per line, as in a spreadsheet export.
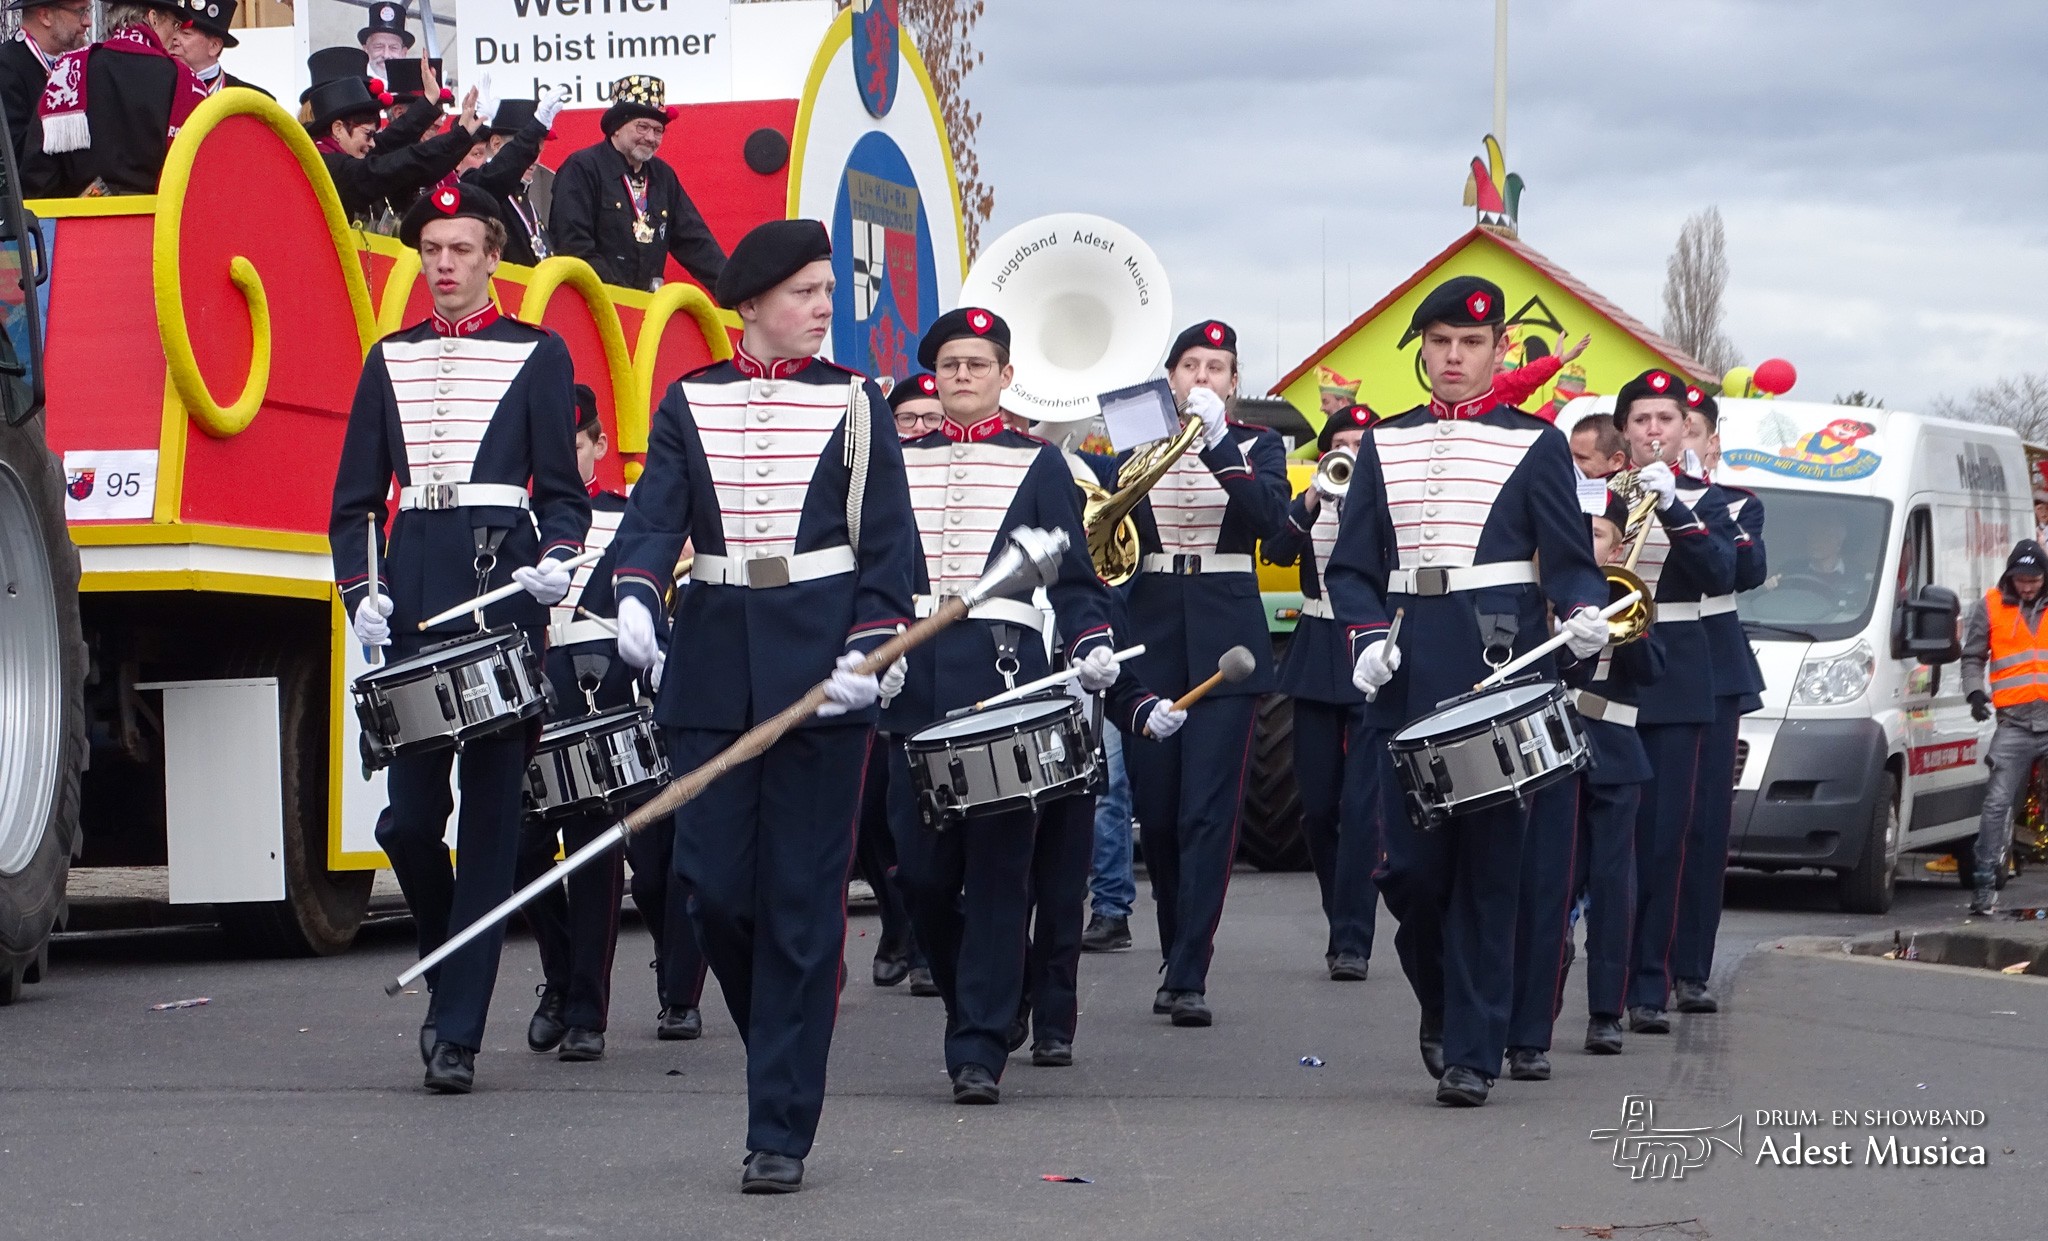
486	102
1661	482
1585	633
1207	406
847	690
892	679
548	582
1164	721
1375	667
1099	670
637	643
372	629
654	673
550	105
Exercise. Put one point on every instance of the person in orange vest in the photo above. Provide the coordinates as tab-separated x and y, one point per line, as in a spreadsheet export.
2005	666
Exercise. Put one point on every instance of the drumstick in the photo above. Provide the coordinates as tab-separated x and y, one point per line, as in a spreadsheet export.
373	655
1393	636
1237	664
1058	678
1031	560
506	591
609	626
1558	639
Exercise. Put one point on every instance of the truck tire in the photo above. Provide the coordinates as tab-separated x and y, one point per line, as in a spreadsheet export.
42	703
322	909
1866	888
1269	832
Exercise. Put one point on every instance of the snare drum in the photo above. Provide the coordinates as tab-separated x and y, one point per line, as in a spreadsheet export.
597	762
448	694
1487	748
1011	757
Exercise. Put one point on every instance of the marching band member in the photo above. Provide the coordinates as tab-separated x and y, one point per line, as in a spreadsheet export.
1738	690
1453	506
804	549
1596	856
970	885
465	409
1195	597
1689	557
1315	671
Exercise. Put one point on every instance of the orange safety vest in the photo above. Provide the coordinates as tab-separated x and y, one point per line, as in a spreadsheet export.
2018	670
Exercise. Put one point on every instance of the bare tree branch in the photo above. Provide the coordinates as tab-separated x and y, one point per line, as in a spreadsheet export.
2016	401
1696	280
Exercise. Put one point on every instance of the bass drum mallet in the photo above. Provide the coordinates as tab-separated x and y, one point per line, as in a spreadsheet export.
1237	664
1030	560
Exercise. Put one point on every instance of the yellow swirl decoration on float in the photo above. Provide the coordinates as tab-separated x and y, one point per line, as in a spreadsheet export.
663	306
551	274
181	362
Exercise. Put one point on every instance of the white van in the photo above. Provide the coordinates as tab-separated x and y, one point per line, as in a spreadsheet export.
1880	525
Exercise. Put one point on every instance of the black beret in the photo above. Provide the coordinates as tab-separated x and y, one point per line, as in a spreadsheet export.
586	408
1345	419
768	255
460	201
1616	512
1208	334
968	321
1461	301
920	386
1702	402
1647	386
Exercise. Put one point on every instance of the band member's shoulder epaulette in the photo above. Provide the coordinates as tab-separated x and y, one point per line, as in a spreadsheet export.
847	371
1245	426
706	369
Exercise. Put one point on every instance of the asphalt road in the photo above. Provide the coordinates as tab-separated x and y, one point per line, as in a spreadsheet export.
290	1105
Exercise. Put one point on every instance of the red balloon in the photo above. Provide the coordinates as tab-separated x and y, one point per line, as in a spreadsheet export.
1775	376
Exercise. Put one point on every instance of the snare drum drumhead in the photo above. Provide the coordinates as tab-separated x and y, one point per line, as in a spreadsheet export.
440	655
568	732
1459	717
995	720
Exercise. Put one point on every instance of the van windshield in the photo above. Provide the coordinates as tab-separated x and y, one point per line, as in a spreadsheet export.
1825	558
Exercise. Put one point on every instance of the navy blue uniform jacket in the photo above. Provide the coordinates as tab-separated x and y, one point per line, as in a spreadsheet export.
1317	663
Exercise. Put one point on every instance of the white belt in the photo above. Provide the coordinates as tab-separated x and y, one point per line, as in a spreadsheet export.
432	496
569	633
1008	611
1210	562
1431	581
1594	707
1717	605
761	572
1679	612
1318	608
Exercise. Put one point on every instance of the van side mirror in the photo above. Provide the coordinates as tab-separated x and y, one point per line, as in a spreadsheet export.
1928	627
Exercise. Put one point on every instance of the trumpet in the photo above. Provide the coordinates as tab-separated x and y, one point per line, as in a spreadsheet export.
1333	472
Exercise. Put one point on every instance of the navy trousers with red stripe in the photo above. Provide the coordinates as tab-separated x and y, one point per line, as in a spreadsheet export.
1664	831
1543	913
1706	851
1340	821
664	906
1186	793
766	852
575	923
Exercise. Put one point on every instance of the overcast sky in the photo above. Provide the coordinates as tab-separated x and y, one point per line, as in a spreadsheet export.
1880	164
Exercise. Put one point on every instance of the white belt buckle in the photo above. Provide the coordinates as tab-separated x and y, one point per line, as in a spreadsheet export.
766	571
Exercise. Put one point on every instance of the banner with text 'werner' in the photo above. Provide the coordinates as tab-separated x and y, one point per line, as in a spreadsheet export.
586	45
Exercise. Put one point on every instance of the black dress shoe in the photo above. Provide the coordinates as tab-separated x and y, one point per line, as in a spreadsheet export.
427	1036
1106	934
769	1173
1528	1064
451	1069
1463	1087
1053	1053
1431	1040
1693	996
973	1084
1347	967
891	970
679	1025
1162	1002
1191	1008
1603	1035
580	1044
1643	1019
544	1032
921	984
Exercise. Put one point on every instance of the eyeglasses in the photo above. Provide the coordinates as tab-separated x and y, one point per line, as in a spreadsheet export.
912	421
980	368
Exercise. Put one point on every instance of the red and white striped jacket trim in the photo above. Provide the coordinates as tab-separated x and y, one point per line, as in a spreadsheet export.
447	391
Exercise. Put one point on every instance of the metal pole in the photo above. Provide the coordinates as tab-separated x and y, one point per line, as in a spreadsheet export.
433	36
1500	72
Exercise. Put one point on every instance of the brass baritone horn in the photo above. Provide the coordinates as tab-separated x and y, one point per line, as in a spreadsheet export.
1333	472
1634	621
1112	534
